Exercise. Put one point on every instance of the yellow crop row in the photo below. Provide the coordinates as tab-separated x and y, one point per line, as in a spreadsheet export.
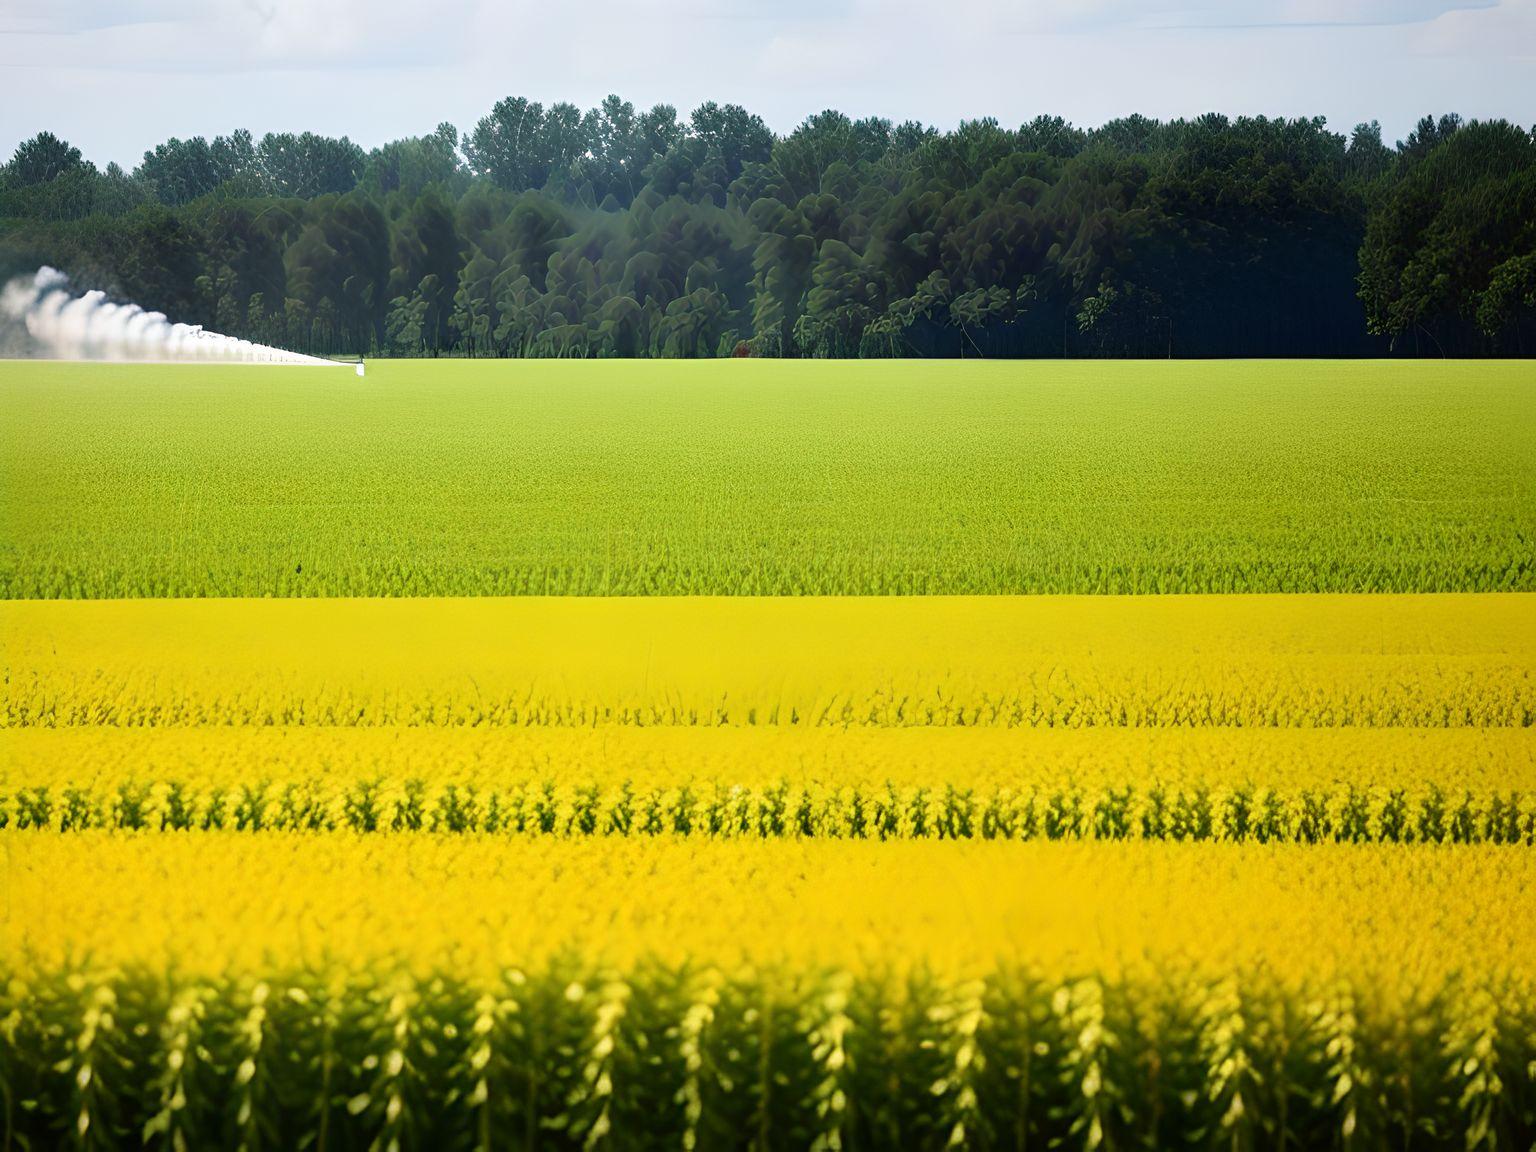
1290	760
225	903
1199	661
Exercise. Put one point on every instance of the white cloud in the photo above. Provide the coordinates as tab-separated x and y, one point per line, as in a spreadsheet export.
1366	11
179	35
64	17
1045	16
1508	32
116	79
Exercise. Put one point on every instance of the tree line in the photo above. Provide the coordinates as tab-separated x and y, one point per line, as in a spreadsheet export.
626	232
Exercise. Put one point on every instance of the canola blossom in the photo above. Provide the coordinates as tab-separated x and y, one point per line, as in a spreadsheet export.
478	904
1070	662
1388	990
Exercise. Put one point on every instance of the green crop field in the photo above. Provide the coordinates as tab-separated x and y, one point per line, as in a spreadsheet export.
497	478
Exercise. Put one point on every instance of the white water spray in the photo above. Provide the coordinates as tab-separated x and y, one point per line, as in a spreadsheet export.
54	322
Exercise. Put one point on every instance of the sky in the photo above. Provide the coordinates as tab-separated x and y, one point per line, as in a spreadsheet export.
118	78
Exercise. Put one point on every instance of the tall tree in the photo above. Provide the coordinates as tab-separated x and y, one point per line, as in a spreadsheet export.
1446	253
180	171
41	159
413	164
308	165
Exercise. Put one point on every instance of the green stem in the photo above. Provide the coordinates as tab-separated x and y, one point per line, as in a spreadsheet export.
765	1075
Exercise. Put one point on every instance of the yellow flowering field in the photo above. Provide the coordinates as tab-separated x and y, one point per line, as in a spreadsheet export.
690	827
465	988
1463	660
477	905
953	871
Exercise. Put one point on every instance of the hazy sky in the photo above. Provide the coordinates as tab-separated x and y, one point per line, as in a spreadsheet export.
116	78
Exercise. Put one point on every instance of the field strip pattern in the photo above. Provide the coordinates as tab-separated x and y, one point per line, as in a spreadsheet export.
1273	718
634	756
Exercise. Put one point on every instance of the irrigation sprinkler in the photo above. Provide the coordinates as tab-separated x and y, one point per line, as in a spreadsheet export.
56	322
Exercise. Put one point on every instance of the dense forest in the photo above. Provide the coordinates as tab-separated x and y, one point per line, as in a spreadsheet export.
625	232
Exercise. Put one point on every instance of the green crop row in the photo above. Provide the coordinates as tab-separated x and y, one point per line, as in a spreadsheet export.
720	809
569	1058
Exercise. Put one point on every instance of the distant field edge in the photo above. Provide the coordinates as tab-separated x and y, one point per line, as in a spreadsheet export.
608	478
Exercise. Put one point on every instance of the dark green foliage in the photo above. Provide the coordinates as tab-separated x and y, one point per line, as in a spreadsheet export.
1449	260
665	237
42	159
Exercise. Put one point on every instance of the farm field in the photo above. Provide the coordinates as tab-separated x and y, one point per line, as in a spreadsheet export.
1218	661
754	477
318	830
895	993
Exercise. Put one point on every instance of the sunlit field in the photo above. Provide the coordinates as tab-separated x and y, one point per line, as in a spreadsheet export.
559	755
754	477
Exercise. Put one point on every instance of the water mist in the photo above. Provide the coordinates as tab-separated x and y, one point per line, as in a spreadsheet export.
40	315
